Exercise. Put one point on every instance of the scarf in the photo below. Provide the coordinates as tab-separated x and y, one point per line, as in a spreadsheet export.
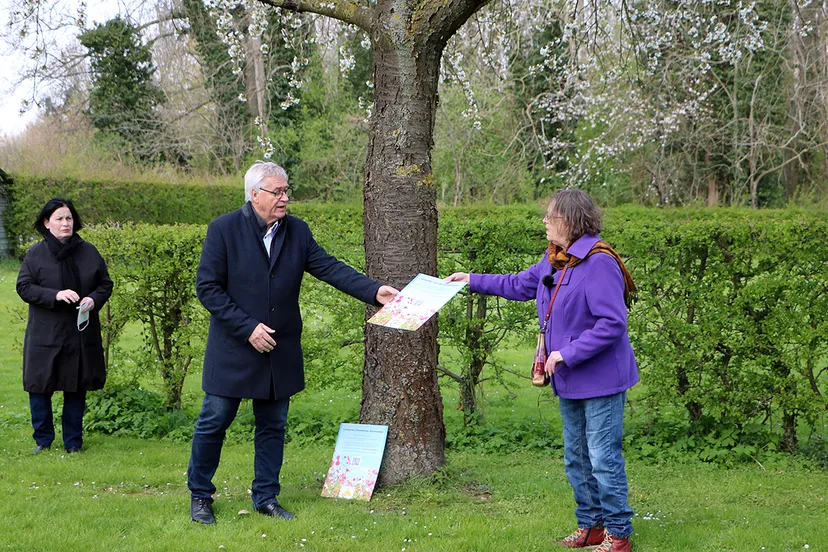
559	258
64	253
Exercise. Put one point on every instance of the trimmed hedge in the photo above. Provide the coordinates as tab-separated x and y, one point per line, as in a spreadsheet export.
102	201
731	322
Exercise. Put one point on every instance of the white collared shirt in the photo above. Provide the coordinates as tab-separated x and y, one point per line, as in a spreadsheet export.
268	237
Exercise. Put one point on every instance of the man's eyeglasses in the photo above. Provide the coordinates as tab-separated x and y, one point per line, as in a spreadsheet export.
278	193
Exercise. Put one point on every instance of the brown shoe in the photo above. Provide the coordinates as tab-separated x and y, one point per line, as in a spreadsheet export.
614	544
582	538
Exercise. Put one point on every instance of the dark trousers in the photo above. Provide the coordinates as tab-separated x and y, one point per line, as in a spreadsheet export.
43	423
217	413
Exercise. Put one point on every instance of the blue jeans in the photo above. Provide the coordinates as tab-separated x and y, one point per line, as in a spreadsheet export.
217	413
43	423
593	430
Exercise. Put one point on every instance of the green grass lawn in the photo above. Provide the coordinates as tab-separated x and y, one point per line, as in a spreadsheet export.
130	494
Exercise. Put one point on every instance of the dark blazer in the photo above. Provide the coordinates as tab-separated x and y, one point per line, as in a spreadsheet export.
241	286
56	356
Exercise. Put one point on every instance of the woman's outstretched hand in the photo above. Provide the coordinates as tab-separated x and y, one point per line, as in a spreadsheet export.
458	277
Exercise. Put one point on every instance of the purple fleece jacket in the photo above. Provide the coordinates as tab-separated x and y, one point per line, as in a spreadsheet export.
588	324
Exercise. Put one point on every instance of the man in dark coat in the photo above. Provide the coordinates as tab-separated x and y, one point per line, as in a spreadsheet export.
251	269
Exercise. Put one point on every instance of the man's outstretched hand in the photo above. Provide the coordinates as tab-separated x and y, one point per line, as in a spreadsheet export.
385	294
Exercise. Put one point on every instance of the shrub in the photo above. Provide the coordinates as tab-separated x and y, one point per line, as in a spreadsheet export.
729	326
474	326
154	269
732	315
131	411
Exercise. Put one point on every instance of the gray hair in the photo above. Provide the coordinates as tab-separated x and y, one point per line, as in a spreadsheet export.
256	174
577	211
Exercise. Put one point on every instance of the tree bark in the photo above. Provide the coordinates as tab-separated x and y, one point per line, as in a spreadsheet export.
796	55
712	185
789	441
478	353
256	80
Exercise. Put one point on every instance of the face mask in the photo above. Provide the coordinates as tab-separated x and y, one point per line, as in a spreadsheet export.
83	318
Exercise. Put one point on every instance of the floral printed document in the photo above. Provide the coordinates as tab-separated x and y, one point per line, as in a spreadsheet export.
356	461
416	303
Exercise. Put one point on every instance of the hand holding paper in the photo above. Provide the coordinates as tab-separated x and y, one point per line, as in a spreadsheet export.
416	303
458	277
386	294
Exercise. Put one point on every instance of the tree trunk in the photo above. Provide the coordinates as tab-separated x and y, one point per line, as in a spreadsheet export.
753	151
712	191
694	408
399	386
477	354
712	186
468	399
796	56
789	442
256	80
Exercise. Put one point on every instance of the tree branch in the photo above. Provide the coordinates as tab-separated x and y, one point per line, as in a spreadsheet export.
441	20
449	373
343	10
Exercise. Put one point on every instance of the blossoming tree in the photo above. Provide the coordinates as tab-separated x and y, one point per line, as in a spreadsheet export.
400	379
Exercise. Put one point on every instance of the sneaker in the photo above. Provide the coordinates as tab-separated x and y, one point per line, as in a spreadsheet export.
583	537
614	544
201	511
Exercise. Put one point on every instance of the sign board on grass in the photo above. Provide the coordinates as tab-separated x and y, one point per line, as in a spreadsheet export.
356	461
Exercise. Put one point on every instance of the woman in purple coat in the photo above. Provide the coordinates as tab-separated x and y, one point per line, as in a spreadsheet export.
591	363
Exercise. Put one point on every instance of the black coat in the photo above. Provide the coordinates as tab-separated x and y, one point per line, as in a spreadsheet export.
241	287
56	356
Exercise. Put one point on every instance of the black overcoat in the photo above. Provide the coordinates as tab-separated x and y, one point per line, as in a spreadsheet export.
56	356
241	286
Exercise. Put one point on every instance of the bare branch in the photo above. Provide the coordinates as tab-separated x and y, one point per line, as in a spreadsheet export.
445	371
343	10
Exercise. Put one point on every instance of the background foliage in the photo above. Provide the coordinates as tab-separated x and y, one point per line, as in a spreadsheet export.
659	103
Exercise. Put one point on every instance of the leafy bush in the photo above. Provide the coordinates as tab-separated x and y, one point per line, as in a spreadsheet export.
732	315
477	324
132	411
729	326
519	435
154	269
333	321
128	410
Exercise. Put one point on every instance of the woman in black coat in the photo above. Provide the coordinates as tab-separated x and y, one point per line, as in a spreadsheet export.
64	280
